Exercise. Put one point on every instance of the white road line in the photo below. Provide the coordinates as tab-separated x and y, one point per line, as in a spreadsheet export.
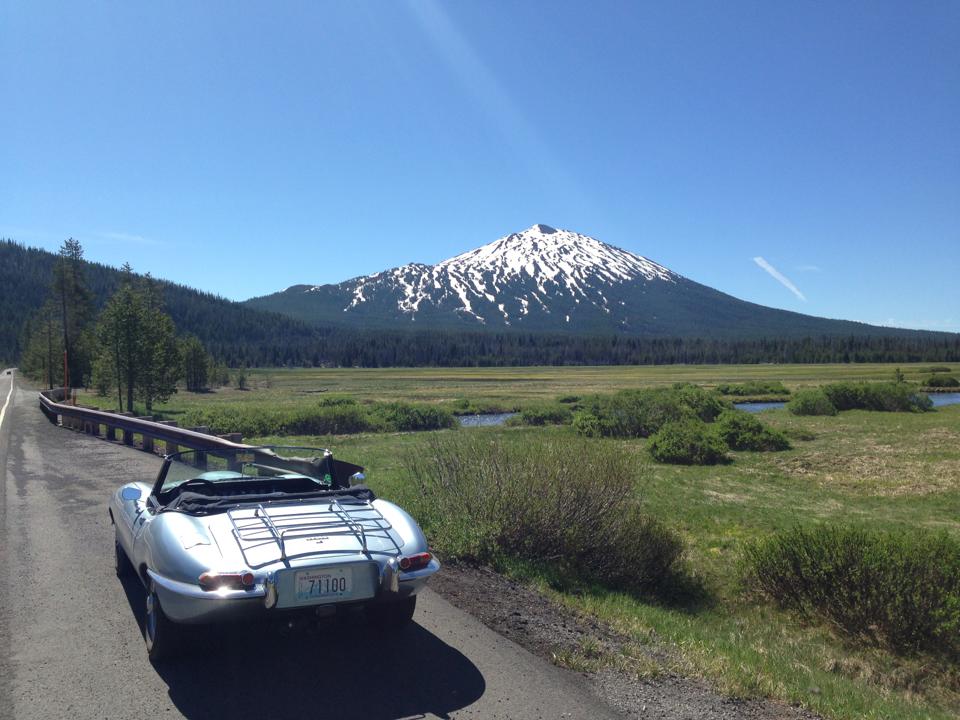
4	411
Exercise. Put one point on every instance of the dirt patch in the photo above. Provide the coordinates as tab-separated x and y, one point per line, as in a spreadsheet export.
636	680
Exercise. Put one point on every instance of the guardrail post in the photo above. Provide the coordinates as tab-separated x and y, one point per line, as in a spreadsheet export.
89	426
169	446
111	433
147	444
200	457
127	434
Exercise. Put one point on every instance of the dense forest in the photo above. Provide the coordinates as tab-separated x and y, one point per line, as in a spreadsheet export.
230	331
241	336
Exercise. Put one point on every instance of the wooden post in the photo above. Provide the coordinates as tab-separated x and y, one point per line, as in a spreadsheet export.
147	444
127	434
169	447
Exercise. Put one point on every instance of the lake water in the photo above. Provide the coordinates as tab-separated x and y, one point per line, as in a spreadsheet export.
939	400
485	419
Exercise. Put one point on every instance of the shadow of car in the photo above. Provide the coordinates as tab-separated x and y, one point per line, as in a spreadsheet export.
308	668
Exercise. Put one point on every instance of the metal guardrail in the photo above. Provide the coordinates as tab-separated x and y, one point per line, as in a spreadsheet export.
100	423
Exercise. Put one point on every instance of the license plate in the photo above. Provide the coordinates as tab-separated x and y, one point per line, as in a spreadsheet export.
327	585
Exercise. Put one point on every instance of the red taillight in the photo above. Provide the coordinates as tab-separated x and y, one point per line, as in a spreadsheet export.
415	562
231	581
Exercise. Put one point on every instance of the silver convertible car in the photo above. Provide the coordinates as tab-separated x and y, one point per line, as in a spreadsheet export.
263	531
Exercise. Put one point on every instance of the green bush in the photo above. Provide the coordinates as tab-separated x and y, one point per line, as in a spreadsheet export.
753	387
568	399
882	396
640	413
336	401
687	442
339	417
325	420
409	417
943	381
545	415
811	402
901	589
568	504
742	431
937	369
587	424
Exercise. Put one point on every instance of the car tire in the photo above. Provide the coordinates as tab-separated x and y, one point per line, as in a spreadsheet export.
393	615
162	635
121	563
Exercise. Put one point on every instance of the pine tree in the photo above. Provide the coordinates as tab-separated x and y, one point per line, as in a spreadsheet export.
196	364
75	303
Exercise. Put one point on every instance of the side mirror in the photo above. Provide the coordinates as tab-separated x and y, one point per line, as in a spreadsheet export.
130	493
357	479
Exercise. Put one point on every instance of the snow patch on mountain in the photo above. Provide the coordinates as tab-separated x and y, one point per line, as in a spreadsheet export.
541	264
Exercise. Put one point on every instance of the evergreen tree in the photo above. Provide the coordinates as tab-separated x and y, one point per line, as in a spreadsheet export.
73	298
161	361
196	364
42	357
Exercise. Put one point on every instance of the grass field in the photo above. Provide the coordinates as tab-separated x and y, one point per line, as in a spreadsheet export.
507	388
886	470
883	470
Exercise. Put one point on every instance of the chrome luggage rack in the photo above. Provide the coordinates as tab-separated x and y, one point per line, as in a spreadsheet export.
263	525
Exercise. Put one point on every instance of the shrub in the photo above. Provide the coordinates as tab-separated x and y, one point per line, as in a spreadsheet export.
943	381
640	413
687	442
753	387
336	401
885	396
587	424
330	420
569	505
811	402
938	369
899	589
568	399
408	417
742	431
545	415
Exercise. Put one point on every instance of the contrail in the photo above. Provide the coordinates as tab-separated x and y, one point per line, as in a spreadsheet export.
779	277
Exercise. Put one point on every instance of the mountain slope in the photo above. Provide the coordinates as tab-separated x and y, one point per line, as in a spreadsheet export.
543	279
228	329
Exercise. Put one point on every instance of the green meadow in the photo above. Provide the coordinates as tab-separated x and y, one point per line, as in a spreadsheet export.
896	471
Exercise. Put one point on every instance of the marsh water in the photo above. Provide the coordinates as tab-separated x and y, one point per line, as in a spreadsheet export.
939	400
490	419
485	420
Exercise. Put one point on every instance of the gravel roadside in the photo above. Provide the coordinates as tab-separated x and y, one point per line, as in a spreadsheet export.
608	660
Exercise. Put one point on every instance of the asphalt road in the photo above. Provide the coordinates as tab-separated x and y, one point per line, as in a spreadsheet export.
70	631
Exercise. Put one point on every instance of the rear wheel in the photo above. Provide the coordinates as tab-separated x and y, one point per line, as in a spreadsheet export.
162	635
394	615
121	563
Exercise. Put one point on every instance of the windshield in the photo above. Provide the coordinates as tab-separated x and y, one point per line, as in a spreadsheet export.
205	467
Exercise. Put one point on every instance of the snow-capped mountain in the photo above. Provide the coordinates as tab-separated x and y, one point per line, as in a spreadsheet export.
540	270
542	279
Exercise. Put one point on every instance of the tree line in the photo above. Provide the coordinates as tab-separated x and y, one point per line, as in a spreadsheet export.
57	291
131	346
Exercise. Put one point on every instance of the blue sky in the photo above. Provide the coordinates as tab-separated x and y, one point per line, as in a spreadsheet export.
242	148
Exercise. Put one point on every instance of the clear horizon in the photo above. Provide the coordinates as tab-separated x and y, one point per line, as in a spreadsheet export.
805	158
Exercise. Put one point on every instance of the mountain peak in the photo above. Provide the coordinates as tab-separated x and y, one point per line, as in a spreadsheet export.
542	229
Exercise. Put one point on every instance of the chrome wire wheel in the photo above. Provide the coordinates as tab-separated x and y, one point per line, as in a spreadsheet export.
161	635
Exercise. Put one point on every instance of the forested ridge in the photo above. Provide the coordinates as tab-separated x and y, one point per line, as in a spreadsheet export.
241	336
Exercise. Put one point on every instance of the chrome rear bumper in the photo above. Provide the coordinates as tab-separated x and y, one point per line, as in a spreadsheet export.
188	603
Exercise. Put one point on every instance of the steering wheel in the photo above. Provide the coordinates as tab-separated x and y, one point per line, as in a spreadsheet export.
197	481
